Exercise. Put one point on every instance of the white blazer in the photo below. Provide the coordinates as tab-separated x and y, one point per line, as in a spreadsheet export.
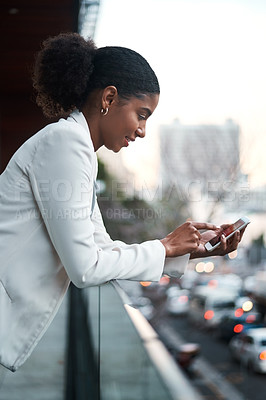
49	236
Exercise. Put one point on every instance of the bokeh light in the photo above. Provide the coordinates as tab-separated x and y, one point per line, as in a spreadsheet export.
238	328
145	284
200	267
209	267
232	255
247	305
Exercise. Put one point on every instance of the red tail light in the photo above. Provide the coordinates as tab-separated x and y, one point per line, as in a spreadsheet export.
213	283
209	314
238	328
239	312
183	299
250	318
262	355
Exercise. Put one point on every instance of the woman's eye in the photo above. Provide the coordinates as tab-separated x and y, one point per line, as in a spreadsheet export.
142	116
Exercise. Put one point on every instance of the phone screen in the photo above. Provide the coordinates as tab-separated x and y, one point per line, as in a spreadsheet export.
227	231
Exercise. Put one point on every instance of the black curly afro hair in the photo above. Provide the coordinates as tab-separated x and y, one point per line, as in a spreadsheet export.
69	67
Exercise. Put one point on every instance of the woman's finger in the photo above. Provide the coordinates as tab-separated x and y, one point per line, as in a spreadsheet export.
236	239
205	225
223	243
197	233
224	226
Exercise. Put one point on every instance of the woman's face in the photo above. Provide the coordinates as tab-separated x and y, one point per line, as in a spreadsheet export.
126	120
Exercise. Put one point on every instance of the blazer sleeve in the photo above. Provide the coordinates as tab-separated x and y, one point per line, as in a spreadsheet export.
173	266
62	175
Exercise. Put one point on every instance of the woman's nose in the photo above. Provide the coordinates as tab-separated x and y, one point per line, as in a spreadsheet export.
140	132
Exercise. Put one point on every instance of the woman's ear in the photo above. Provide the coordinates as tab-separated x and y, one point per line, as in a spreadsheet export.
109	96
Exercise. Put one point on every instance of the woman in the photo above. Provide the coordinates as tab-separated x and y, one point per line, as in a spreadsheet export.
51	230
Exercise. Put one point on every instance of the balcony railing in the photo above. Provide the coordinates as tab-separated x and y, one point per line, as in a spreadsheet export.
114	353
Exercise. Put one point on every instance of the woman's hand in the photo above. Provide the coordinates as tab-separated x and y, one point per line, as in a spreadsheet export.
226	246
186	238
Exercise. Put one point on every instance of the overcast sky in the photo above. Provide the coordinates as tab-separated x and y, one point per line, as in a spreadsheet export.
210	58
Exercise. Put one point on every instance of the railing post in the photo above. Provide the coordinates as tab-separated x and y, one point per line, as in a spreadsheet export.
82	381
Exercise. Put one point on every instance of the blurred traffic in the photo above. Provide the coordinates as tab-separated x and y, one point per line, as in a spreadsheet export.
249	348
216	311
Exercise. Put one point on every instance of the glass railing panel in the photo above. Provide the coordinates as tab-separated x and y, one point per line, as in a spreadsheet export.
131	362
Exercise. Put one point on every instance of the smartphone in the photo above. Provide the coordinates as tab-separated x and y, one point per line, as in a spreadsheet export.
228	232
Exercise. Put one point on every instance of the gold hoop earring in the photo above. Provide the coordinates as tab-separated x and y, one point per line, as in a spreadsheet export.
104	111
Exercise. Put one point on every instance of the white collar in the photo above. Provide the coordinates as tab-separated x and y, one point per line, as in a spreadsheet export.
79	117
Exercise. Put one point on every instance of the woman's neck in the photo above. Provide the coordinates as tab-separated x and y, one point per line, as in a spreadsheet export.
91	112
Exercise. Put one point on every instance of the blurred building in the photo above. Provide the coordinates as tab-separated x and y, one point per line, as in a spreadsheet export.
205	157
249	200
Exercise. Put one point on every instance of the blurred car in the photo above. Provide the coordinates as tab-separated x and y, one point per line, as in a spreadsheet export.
177	302
208	305
231	281
238	321
249	348
185	355
245	316
222	281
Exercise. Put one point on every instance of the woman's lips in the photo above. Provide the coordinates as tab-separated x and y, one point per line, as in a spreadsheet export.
128	140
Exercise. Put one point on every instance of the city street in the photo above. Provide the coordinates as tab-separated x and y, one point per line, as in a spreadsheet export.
249	384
